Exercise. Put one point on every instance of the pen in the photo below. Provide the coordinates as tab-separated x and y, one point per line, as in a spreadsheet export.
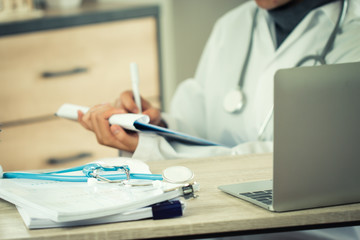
135	84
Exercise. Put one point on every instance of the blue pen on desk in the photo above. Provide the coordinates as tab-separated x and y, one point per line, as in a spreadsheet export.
135	84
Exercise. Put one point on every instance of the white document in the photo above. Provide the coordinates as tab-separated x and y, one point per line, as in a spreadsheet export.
34	219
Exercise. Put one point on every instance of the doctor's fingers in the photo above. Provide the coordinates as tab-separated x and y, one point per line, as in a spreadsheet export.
127	102
82	121
118	138
97	115
146	104
154	114
104	134
126	140
99	120
85	119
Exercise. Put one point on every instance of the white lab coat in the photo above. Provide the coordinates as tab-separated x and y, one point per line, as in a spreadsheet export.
197	107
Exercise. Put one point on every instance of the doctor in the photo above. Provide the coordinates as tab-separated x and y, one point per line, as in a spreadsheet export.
247	46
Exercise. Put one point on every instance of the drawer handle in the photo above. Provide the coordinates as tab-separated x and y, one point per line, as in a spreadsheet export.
49	74
55	161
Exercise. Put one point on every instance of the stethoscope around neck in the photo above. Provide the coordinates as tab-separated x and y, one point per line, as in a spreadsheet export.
235	99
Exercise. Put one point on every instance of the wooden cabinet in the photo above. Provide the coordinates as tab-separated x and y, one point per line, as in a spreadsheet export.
83	64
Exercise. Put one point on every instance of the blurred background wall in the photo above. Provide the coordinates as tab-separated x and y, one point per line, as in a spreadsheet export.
185	28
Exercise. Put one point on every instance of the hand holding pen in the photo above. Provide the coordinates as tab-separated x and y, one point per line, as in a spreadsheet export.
133	103
96	118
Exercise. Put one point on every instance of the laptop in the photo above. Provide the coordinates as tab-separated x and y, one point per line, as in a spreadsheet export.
316	141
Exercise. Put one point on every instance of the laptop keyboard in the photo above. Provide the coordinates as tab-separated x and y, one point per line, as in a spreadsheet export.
261	196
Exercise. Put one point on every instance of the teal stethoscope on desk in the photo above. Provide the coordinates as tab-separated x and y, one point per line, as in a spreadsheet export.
175	174
234	101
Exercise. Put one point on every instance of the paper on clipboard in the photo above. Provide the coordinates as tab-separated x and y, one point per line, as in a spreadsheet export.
136	122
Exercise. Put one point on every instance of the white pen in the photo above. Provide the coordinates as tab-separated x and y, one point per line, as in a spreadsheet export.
135	84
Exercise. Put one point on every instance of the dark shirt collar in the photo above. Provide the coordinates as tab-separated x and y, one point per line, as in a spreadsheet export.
287	17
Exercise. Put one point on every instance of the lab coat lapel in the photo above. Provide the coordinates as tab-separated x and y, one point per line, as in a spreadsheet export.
264	33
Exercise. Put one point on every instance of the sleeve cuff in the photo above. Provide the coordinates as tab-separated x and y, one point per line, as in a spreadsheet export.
149	147
253	148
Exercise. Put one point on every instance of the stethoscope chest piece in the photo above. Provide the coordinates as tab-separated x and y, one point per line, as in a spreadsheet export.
234	101
177	174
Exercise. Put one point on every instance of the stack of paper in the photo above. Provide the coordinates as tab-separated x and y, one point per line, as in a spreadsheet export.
172	208
44	203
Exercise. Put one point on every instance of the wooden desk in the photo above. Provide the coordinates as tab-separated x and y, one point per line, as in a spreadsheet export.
214	212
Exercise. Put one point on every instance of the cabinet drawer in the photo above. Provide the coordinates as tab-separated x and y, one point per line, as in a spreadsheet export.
50	144
103	51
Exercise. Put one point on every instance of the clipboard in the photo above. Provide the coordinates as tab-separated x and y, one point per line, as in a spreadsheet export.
136	122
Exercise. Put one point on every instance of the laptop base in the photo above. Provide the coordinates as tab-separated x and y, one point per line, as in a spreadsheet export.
258	193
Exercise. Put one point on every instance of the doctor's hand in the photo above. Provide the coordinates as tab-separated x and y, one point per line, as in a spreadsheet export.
126	102
97	121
